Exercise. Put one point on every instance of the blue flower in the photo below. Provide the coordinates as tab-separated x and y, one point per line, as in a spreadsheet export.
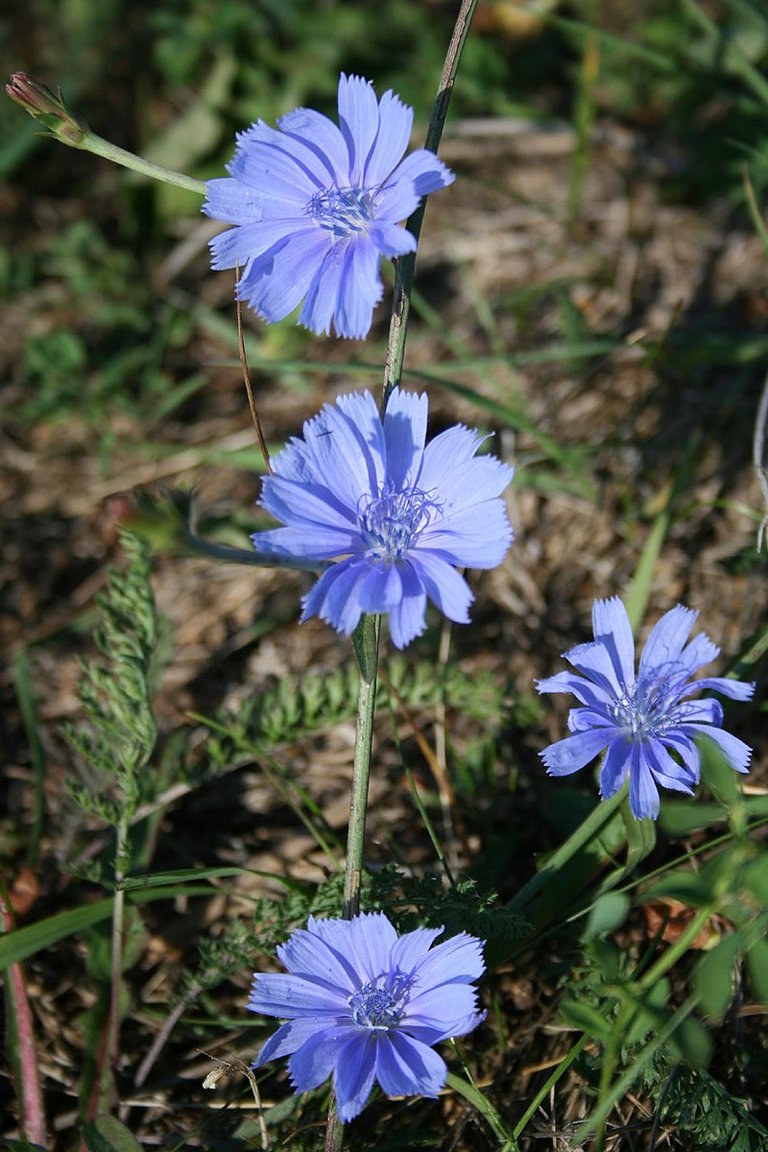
646	725
396	516
364	1004
318	204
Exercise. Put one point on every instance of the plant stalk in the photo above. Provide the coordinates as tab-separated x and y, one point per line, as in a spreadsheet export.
405	265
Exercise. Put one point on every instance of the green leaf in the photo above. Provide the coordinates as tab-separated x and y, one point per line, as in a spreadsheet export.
181	876
23	942
691	1042
587	1019
713	977
681	817
755	878
682	885
107	1134
757	967
639	592
606	914
483	1106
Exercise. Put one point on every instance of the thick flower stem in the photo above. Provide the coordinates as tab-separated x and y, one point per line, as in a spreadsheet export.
404	266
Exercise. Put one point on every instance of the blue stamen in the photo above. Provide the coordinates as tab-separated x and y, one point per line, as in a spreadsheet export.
342	211
392	521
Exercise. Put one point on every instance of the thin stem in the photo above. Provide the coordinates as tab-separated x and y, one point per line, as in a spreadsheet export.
366	645
118	932
100	147
589	828
549	1084
758	458
366	642
404	266
49	109
22	1044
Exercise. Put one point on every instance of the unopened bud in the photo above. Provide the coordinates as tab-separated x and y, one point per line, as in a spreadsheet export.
47	108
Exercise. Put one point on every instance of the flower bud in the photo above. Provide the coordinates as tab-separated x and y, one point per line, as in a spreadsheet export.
47	108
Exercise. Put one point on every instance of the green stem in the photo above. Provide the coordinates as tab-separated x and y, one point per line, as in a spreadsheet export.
366	638
405	265
366	643
635	1069
90	142
671	955
548	1085
587	830
118	929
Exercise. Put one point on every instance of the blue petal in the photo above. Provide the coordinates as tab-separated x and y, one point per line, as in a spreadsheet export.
581	718
737	753
319	144
666	770
594	661
666	640
336	596
422	172
613	770
391	239
687	751
394	132
411	949
466	482
243	244
733	689
270	169
316	955
569	755
359	289
405	1067
458	958
320	302
232	201
359	123
584	690
476	537
707	711
381	589
443	584
405	430
355	1073
276	280
643	793
439	1013
309	506
611	626
407	620
315	1060
291	1037
364	943
699	652
318	543
290	996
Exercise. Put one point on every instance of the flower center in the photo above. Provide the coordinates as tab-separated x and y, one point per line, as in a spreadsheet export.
391	522
649	708
381	1003
342	211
